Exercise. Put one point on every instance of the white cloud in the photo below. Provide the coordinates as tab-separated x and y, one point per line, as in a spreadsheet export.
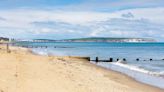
141	22
128	15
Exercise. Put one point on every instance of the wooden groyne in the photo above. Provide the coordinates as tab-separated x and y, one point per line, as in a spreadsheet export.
34	46
30	46
97	59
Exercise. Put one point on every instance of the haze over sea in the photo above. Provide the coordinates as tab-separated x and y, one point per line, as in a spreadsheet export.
144	70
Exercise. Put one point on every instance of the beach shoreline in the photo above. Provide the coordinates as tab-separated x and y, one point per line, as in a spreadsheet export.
21	68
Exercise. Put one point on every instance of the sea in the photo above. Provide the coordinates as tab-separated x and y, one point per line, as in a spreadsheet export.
144	61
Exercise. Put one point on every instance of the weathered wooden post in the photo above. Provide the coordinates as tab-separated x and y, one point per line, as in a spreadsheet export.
89	59
97	59
111	60
137	59
7	48
124	59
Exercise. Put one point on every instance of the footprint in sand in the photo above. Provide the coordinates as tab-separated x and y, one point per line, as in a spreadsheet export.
16	75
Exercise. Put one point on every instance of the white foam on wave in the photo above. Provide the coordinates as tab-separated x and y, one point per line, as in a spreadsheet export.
136	68
40	52
135	72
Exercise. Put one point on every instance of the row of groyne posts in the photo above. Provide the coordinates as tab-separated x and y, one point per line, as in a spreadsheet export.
28	46
112	60
35	46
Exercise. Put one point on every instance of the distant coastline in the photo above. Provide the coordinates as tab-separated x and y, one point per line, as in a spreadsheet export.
89	39
93	39
110	39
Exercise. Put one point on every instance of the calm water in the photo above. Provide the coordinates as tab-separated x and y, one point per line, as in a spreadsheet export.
144	51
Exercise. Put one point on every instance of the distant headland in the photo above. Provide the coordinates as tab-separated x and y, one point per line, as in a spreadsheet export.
89	39
98	39
109	39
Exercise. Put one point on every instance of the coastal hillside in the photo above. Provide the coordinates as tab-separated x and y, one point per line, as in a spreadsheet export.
93	39
105	39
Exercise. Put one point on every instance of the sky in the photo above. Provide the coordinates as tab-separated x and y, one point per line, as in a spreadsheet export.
61	19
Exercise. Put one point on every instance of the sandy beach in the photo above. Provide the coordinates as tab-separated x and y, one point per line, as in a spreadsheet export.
22	71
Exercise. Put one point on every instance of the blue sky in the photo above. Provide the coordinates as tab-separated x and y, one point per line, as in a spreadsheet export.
36	3
60	19
93	5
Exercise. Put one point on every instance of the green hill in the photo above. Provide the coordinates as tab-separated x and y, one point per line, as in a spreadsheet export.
109	39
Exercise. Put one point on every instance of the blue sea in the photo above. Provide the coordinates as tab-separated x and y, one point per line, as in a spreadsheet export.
145	70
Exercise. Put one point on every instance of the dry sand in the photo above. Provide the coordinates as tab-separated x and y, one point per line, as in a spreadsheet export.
22	71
